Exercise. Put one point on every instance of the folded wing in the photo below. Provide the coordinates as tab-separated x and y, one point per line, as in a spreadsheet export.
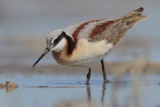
114	29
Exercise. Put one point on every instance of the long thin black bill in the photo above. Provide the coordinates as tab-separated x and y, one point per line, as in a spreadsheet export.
44	53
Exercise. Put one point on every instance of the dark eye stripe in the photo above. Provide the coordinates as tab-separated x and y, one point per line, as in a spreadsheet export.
56	41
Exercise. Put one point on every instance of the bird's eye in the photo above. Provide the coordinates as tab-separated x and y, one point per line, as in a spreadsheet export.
56	41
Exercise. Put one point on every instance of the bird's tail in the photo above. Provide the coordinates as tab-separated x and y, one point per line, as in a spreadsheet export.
133	17
126	22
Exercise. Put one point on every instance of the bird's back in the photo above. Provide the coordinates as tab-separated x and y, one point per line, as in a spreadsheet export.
93	39
110	29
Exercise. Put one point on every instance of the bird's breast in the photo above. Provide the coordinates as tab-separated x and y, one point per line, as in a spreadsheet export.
85	54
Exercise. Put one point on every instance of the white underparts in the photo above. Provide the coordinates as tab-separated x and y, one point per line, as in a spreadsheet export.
88	54
87	50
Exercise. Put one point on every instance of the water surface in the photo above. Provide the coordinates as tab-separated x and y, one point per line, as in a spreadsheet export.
60	91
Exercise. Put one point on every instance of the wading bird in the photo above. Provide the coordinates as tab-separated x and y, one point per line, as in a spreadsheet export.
86	43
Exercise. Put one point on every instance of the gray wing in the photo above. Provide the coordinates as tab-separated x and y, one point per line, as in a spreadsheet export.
113	30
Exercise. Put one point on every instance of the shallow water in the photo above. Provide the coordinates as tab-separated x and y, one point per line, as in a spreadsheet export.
23	29
128	91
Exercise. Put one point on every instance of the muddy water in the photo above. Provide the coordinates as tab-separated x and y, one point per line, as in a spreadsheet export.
40	90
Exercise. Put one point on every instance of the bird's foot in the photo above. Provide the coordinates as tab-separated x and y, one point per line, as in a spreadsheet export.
87	83
106	81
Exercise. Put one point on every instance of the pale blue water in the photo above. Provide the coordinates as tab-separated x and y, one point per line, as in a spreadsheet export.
36	19
61	89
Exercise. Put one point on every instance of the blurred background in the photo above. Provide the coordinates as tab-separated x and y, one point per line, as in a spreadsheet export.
25	24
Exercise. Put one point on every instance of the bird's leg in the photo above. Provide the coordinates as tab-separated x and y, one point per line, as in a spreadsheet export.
104	73
88	76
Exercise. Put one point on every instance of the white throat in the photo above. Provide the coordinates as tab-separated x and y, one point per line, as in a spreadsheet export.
60	46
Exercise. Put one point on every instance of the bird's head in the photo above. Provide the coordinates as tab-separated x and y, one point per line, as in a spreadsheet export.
55	42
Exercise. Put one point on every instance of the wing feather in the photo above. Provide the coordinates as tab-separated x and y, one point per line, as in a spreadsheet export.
114	31
111	30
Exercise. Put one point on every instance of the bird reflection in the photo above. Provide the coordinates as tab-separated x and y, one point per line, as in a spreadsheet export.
103	93
102	96
89	93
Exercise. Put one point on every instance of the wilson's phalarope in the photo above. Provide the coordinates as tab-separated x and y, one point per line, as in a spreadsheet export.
86	43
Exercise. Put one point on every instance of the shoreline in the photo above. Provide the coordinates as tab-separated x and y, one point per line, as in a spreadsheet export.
137	66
